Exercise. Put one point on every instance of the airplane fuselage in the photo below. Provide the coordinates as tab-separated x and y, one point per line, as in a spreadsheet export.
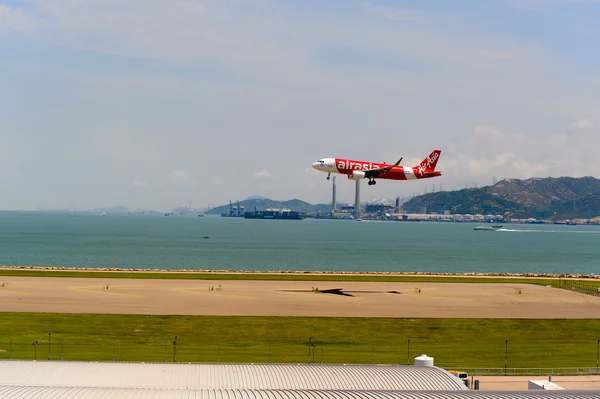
352	169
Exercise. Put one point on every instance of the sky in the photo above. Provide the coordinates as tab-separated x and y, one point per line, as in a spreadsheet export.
155	104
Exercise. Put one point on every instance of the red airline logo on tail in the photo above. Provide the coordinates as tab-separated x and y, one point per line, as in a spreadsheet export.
356	170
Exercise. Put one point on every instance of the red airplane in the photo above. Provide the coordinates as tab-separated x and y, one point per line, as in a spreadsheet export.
356	170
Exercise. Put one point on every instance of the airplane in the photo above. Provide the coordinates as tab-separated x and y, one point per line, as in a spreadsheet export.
356	170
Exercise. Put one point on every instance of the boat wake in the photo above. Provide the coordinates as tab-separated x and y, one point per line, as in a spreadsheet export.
549	231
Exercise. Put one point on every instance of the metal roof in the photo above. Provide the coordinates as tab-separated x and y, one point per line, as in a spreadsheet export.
132	393
226	376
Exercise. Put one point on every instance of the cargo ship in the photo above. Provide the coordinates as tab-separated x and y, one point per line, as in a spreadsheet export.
285	214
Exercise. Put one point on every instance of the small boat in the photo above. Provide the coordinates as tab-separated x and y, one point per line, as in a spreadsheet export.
487	228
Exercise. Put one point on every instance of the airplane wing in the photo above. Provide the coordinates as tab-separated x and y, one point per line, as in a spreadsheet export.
380	171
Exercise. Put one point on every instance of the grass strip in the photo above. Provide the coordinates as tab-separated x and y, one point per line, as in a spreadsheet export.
463	343
307	276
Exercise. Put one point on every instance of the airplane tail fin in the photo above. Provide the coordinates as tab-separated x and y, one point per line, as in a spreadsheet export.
430	162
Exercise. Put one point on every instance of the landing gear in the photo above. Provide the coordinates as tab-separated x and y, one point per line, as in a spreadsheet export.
372	182
328	176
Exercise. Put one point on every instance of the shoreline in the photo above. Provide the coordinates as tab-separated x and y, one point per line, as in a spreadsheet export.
305	272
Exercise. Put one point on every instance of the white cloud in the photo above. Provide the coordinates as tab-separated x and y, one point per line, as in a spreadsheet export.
187	82
13	19
402	15
263	174
498	55
230	37
141	183
218	181
538	4
114	139
312	171
180	175
523	168
484	166
497	152
583	124
391	13
493	133
489	132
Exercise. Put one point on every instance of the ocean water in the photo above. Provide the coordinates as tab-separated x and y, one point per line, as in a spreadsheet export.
176	242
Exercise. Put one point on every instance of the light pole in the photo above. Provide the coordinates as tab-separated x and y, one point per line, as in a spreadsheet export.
309	346
49	335
408	354
597	353
175	350
321	355
35	350
505	355
372	354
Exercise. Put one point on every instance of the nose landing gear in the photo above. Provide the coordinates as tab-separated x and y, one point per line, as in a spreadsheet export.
328	176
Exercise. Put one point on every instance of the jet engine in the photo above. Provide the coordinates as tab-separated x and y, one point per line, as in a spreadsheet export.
357	175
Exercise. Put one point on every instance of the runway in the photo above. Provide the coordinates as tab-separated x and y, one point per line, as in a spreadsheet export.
292	298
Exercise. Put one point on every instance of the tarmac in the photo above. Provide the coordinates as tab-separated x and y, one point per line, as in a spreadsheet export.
520	383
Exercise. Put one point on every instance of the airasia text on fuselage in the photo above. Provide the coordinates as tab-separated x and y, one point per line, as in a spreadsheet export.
343	164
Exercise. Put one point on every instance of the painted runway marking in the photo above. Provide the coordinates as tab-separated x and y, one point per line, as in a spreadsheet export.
322	294
444	297
27	285
103	291
203	292
127	286
14	291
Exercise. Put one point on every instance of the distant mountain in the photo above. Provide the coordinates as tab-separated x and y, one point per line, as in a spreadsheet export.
467	201
264	203
122	209
542	198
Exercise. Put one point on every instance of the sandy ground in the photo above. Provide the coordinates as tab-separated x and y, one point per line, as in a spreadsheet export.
292	298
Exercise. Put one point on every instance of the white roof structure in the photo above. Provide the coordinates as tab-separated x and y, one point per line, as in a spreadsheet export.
74	380
147	393
226	376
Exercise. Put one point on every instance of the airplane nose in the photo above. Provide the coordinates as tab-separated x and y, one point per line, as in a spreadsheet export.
316	165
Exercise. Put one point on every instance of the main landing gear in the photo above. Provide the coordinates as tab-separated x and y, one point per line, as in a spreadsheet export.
328	176
372	182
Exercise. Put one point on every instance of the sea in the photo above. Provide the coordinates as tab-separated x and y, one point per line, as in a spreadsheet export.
177	242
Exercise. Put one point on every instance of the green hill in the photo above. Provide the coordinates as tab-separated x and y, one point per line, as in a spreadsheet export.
542	198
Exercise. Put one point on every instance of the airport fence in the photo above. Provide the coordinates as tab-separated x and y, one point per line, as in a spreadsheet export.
501	357
533	371
582	287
